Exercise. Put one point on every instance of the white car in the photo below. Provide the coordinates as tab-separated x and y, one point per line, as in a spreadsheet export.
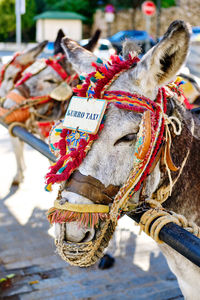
103	49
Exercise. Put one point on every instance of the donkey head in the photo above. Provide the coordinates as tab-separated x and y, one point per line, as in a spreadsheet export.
12	71
110	160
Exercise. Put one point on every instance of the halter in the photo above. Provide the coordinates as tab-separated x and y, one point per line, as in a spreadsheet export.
150	141
40	65
17	65
20	112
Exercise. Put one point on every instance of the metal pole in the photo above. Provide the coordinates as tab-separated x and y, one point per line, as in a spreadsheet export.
148	24
177	238
32	140
158	19
18	22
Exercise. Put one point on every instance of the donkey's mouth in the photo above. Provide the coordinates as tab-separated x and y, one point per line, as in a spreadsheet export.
85	253
82	210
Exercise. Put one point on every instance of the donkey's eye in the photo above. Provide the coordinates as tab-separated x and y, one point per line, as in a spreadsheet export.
50	81
127	138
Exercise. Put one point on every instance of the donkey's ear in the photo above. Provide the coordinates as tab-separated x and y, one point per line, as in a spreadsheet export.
30	55
93	41
57	43
79	57
161	63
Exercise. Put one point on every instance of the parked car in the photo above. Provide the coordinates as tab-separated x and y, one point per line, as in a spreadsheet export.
195	37
139	36
103	49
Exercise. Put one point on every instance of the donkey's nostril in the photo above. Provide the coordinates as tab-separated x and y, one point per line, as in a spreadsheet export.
88	236
77	233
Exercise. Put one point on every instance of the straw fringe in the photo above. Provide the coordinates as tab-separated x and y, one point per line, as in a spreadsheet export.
55	215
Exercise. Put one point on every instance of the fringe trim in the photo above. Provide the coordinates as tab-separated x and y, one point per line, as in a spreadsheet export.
64	216
64	167
105	74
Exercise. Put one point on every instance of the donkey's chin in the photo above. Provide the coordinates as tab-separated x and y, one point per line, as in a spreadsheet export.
75	232
86	248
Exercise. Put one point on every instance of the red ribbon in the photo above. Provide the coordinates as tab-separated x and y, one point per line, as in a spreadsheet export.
57	67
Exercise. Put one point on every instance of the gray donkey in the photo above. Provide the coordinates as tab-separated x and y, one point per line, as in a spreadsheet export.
12	71
110	159
45	80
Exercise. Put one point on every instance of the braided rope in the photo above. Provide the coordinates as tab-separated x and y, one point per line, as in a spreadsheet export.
12	125
165	191
160	218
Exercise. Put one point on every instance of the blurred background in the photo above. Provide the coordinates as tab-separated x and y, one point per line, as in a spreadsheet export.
25	22
30	268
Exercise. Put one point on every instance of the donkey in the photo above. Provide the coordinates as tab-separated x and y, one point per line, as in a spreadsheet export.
45	80
12	71
110	159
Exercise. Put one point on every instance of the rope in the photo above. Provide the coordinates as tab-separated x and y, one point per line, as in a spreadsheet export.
12	125
164	192
160	217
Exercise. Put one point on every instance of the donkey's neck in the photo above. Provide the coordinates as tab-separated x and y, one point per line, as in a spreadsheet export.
186	192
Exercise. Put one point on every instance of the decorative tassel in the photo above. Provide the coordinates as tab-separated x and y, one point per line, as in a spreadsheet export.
99	61
64	216
82	77
93	79
98	75
48	187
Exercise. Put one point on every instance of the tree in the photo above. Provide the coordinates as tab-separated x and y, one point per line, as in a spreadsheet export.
8	20
84	7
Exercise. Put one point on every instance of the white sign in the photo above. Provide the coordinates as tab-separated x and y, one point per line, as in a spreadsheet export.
148	8
84	114
22	7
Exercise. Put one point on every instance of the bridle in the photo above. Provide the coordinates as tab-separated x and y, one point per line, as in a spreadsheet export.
40	65
151	142
25	105
13	62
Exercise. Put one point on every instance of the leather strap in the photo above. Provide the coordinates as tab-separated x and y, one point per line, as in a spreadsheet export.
91	188
23	90
15	97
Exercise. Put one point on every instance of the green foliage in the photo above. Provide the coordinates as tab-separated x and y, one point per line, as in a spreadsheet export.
138	3
8	20
84	7
34	7
28	21
166	3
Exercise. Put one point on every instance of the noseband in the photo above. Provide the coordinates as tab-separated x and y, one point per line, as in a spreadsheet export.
17	65
91	188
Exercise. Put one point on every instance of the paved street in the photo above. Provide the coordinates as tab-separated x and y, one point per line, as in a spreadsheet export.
27	250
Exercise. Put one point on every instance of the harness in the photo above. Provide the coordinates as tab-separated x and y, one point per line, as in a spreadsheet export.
17	65
25	105
72	147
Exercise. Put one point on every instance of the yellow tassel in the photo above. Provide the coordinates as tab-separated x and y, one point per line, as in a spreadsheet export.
48	187
98	75
178	79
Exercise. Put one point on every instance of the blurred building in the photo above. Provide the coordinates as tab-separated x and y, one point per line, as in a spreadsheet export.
49	22
128	19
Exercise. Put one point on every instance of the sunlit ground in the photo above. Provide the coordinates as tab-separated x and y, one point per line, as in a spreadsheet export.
31	195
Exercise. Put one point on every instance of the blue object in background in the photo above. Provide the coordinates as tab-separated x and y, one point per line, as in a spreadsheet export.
195	37
139	36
